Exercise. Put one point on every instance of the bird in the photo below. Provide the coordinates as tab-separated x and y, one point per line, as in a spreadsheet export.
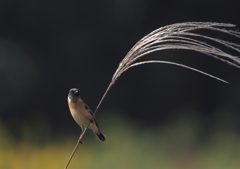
82	114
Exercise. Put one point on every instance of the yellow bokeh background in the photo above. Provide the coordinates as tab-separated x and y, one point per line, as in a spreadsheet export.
130	144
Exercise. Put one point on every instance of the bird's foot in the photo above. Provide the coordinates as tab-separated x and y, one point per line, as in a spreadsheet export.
80	141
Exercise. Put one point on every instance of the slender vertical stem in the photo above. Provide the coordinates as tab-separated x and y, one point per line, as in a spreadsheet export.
75	148
99	104
175	36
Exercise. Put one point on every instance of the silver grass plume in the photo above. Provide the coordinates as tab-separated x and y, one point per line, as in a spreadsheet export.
180	36
175	36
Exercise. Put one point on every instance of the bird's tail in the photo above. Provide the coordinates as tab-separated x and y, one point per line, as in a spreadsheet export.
100	136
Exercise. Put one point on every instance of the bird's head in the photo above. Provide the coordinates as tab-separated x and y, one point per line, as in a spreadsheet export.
73	95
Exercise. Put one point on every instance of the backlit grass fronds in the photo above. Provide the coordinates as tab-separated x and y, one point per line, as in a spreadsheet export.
182	36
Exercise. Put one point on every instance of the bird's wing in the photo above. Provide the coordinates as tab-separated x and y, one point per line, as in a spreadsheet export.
87	108
90	111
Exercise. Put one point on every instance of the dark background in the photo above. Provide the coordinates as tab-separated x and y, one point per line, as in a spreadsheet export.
48	47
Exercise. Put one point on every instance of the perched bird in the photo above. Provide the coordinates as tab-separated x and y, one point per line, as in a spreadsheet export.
82	113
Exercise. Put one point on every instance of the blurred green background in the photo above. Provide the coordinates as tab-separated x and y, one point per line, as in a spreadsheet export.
155	116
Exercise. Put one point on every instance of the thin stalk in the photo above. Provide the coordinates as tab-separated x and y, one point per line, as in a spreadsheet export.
75	148
175	36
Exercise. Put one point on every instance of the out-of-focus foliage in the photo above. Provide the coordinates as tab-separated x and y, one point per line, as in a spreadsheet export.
177	145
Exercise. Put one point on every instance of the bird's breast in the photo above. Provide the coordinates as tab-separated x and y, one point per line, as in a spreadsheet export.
79	113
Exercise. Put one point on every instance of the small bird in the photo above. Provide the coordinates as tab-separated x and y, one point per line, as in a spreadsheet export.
82	113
